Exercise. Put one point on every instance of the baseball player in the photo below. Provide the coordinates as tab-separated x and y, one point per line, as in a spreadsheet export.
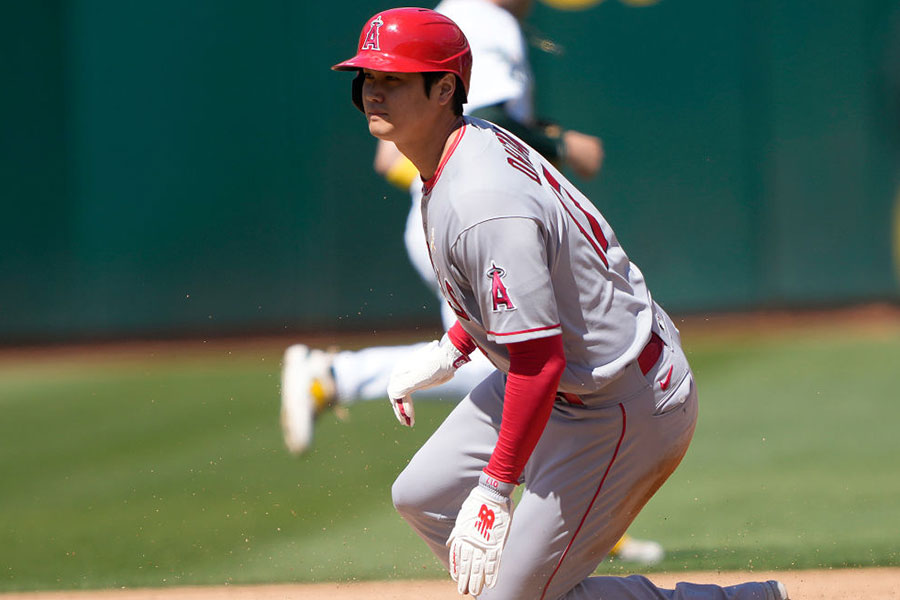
501	91
592	404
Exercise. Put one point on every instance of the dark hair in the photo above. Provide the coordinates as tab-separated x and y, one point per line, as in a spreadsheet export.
459	95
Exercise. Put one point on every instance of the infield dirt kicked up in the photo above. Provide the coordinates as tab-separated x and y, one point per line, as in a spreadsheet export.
833	584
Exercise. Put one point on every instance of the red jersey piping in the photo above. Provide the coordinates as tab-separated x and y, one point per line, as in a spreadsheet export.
428	185
525	330
591	505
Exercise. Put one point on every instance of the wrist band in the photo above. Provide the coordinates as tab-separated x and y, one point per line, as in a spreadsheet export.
458	357
494	485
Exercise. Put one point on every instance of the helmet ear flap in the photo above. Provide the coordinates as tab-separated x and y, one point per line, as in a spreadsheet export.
356	90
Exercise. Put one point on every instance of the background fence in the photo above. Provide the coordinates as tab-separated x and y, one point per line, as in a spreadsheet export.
172	168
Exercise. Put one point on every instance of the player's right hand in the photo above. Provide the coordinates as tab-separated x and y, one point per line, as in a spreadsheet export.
424	369
477	540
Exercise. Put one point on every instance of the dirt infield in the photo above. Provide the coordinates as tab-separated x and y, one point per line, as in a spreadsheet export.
843	584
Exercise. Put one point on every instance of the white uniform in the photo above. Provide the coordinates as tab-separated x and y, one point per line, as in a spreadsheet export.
500	74
521	254
500	69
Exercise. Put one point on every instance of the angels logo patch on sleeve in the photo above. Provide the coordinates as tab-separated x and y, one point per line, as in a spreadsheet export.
499	294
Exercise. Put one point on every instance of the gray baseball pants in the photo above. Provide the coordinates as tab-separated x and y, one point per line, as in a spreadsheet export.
592	471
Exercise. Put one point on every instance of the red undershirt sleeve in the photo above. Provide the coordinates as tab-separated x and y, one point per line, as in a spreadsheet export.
462	340
535	368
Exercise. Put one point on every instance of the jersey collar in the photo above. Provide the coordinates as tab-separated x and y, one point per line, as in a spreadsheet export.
427	186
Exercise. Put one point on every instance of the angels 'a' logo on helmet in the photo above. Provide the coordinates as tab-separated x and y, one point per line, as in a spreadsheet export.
372	42
499	294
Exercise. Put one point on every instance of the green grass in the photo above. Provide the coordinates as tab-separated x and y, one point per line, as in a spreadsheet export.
796	458
171	470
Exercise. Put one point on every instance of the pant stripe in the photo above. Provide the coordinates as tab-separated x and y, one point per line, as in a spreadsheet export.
590	506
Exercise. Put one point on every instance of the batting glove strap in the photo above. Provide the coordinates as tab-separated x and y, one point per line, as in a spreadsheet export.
500	491
477	540
456	357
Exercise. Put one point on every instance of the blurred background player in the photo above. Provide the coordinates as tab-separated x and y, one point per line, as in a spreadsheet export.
501	91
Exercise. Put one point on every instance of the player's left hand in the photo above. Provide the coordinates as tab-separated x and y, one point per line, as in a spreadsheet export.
477	540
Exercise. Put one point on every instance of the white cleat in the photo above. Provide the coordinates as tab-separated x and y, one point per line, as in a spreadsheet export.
782	591
644	552
307	390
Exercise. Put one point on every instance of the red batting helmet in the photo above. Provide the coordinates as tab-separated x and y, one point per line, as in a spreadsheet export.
410	40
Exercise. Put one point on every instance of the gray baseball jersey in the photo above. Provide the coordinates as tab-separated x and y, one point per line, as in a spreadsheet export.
520	253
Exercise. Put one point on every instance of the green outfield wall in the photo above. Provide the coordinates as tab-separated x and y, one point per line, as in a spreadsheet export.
195	168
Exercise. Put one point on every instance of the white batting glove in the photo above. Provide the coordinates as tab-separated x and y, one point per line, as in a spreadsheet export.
477	540
427	368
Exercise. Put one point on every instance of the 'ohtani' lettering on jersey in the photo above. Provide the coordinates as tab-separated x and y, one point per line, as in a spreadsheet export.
518	155
372	41
499	294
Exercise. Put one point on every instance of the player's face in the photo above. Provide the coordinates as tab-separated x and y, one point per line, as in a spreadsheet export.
395	104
